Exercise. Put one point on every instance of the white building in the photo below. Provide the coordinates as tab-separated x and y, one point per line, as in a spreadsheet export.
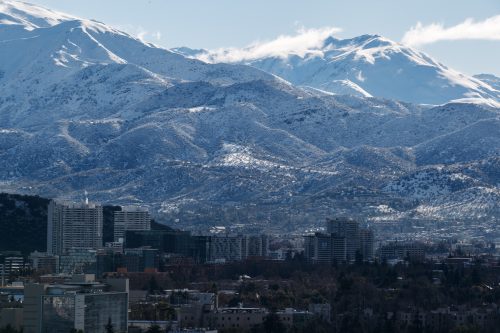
71	225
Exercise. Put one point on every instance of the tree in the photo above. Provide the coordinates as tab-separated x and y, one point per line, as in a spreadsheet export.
273	324
154	329
153	285
109	326
9	329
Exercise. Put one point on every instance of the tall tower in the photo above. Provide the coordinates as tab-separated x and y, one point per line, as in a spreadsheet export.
73	226
348	228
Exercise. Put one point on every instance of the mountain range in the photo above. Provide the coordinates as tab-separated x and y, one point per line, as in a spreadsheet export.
367	66
287	141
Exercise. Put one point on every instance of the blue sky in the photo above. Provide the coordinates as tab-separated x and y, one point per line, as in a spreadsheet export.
472	47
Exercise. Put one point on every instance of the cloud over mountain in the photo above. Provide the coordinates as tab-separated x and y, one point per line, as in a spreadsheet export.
303	42
420	34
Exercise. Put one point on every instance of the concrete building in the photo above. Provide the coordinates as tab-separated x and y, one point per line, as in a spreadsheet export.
325	248
257	246
44	263
239	319
166	241
322	310
73	226
142	259
80	304
294	318
10	265
130	218
193	307
402	250
78	261
349	229
12	317
367	243
224	248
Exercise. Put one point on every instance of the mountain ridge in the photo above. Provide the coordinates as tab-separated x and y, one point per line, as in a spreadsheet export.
367	65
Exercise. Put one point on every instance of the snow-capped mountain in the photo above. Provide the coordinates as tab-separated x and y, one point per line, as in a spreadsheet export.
84	106
492	80
368	65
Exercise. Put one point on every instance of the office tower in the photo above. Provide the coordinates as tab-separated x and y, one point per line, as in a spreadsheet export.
339	249
166	241
130	218
73	226
256	245
343	227
227	248
367	243
325	248
142	259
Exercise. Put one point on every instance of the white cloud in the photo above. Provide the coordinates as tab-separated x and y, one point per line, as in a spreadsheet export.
157	35
306	40
488	29
139	32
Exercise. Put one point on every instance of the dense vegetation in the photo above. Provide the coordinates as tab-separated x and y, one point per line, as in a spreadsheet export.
361	295
23	223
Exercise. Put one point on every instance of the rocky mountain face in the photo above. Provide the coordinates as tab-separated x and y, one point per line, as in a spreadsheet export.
86	107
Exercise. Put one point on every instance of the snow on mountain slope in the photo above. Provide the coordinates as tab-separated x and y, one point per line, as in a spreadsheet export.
369	65
475	203
492	80
29	16
430	183
45	48
84	106
475	142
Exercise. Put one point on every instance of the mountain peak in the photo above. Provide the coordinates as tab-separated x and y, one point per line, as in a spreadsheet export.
30	16
365	41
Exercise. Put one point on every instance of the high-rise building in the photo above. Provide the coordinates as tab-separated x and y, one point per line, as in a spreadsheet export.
227	248
256	246
367	243
325	248
344	240
130	218
348	228
166	241
73	226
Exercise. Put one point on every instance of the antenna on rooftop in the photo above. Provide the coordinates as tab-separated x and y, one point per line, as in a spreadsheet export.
86	197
